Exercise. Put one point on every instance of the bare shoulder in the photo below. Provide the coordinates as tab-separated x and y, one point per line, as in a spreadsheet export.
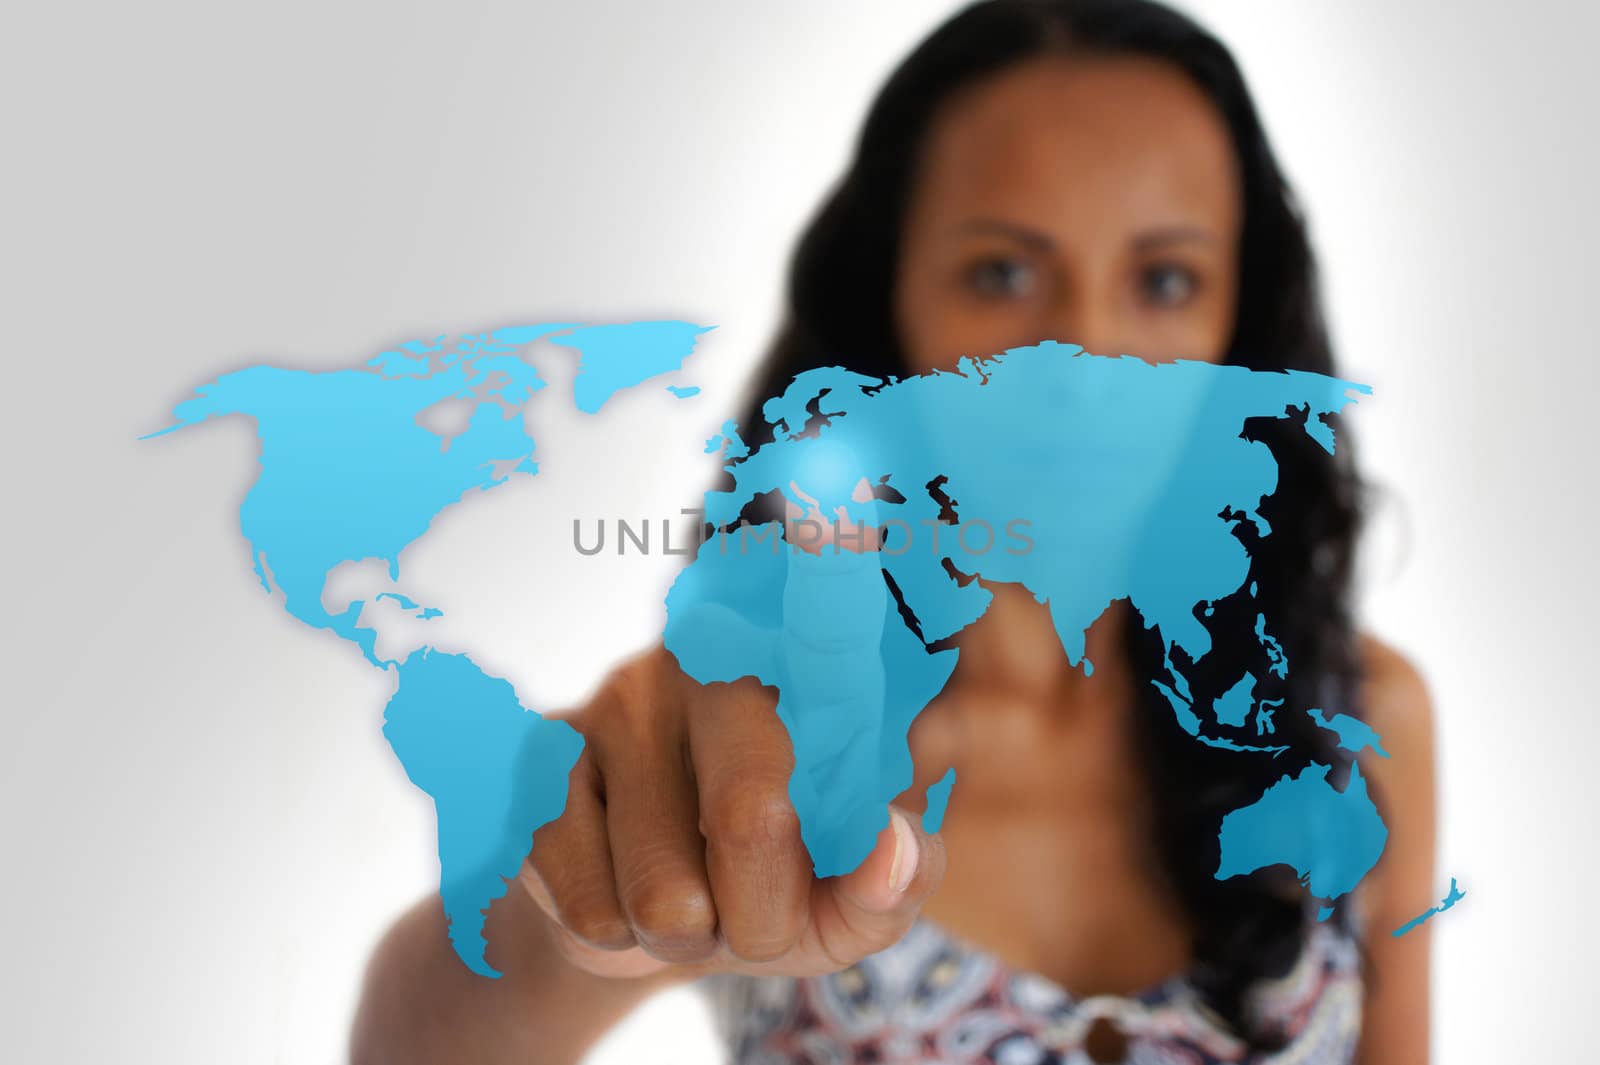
1398	707
1396	701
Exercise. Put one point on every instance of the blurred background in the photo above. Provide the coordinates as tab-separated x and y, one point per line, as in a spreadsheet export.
205	832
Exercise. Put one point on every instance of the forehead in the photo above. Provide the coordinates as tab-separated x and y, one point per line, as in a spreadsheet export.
1066	142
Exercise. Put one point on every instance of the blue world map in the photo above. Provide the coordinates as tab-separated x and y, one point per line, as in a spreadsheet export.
1081	478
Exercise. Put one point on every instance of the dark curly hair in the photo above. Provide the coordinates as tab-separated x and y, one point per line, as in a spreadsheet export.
840	313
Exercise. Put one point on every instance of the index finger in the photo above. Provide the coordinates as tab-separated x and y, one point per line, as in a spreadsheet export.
832	694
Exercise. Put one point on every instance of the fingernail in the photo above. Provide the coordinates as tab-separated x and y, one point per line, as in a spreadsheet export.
907	852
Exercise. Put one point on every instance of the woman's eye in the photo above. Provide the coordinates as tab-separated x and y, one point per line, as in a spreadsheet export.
1003	277
1167	284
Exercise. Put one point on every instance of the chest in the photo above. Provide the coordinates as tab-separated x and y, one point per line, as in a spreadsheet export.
1051	865
1071	893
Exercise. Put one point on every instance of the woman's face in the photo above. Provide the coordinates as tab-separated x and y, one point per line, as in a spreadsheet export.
1094	201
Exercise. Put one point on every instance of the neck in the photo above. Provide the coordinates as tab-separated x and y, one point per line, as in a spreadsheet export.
1014	649
1016	715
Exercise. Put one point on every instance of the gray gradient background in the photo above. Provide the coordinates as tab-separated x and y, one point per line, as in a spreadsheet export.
204	831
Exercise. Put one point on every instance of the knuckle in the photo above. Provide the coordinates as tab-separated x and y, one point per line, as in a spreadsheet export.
770	944
752	819
675	917
581	902
597	924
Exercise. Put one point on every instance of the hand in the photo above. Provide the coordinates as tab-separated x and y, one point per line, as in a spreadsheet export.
680	850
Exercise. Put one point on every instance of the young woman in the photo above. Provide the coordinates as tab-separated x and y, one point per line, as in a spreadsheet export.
1091	171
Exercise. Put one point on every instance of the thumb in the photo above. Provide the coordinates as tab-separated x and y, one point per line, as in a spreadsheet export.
870	908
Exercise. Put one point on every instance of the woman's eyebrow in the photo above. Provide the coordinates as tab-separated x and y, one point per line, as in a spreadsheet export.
1033	238
1153	238
1042	241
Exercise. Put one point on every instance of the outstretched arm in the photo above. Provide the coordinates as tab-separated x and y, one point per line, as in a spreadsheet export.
422	1005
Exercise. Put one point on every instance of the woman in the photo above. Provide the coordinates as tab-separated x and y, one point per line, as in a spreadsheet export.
1085	170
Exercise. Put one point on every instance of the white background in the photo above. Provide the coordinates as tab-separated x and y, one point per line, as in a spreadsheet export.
204	832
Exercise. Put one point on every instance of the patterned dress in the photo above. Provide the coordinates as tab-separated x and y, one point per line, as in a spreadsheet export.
931	998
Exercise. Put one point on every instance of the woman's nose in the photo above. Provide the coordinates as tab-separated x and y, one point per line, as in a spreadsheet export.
1086	323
